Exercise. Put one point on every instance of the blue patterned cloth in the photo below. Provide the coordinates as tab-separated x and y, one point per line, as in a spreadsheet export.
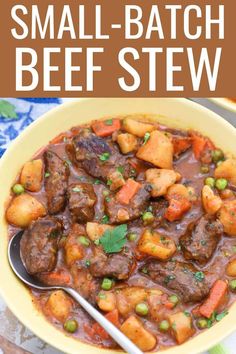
27	110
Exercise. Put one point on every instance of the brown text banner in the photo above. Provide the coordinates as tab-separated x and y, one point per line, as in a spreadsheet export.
118	48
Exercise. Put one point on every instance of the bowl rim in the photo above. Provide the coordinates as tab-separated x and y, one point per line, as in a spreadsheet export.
224	103
180	349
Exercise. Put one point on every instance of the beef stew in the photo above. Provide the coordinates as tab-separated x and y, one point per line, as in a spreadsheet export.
139	218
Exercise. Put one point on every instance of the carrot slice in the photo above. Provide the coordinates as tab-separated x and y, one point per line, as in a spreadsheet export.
106	127
128	191
59	138
66	135
57	278
181	144
177	208
200	143
216	296
113	317
89	331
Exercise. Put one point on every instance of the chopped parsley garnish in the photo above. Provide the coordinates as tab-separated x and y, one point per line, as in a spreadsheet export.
120	169
109	182
221	315
169	278
87	262
109	121
113	240
144	270
179	247
47	174
105	219
187	314
146	138
102	296
133	172
76	189
97	181
105	156
81	178
108	199
96	242
68	162
199	276
216	317
53	234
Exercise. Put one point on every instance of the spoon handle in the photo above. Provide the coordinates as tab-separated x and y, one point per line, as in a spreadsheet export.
112	330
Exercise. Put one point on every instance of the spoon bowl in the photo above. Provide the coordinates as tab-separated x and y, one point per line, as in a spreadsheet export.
19	269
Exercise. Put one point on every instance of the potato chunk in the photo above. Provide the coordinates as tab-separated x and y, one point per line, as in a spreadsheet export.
155	245
116	180
128	298
227	216
160	180
231	268
135	331
106	301
181	325
158	150
95	230
211	202
227	169
136	127
59	305
127	142
177	191
31	175
23	210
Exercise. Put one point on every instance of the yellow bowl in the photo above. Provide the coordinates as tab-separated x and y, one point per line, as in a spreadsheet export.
179	113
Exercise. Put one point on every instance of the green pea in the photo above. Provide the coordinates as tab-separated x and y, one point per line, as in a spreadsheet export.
164	326
174	299
84	241
18	189
148	217
204	169
202	323
106	284
132	236
221	184
142	309
210	181
217	155
105	192
71	326
232	285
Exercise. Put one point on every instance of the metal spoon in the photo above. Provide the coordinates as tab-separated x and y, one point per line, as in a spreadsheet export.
19	269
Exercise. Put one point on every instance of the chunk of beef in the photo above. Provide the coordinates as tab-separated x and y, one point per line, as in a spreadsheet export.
56	182
117	266
119	213
84	283
158	209
201	238
98	157
182	278
82	199
39	245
